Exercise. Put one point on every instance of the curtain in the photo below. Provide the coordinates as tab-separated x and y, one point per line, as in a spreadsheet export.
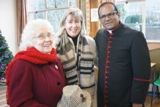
21	10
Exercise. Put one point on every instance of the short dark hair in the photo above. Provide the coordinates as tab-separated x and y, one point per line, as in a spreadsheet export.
105	4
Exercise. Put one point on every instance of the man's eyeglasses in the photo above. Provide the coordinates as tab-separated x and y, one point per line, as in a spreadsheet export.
43	36
109	15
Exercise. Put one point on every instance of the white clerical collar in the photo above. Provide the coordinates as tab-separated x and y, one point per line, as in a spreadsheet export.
110	31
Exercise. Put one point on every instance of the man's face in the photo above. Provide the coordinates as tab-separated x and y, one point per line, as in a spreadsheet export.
109	17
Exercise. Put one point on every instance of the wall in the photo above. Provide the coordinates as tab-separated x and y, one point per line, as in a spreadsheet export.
8	23
94	26
155	57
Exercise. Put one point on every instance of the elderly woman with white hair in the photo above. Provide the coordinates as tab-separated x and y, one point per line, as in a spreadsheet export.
35	77
77	52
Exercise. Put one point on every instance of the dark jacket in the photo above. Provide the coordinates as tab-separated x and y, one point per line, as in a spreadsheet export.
124	67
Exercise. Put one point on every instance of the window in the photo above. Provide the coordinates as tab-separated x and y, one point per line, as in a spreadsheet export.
52	10
142	15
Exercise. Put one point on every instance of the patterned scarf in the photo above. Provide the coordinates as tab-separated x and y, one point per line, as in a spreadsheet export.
76	63
31	55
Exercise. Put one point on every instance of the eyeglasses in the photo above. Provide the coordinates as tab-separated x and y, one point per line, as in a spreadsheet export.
109	15
43	36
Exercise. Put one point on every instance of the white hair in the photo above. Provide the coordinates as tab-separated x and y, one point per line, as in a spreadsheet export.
76	13
31	29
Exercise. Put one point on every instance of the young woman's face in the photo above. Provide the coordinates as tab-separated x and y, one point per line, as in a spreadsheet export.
43	40
73	26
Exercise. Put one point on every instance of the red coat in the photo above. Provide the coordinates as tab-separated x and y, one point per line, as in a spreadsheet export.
33	85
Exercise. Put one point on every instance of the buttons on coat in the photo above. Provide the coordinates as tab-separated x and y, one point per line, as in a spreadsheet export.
58	83
56	66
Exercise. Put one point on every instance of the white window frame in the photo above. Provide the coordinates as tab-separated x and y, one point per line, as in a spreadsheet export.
143	15
47	9
50	8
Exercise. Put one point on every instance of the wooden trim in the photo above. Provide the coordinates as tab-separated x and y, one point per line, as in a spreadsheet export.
153	46
94	26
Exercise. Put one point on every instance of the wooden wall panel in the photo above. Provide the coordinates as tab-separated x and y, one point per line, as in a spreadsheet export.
94	26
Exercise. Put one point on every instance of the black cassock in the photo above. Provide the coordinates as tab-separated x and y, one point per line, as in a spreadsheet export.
124	67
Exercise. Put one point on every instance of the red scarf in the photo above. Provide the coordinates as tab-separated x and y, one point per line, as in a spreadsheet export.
31	55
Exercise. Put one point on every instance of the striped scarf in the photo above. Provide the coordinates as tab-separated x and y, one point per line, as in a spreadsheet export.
77	64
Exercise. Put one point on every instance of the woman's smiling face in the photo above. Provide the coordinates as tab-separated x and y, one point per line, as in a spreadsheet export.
72	25
43	40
